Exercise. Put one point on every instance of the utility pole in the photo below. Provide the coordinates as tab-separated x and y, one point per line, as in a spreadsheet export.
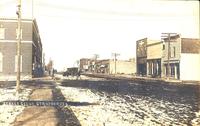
18	46
95	60
165	36
115	58
168	56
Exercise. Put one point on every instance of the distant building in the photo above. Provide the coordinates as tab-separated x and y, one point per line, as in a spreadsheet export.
119	67
122	67
107	66
31	49
89	65
84	64
103	66
184	58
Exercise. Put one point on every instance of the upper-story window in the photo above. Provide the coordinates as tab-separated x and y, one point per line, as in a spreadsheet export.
17	33
2	33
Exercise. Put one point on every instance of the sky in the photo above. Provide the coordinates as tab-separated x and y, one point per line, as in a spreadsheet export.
74	29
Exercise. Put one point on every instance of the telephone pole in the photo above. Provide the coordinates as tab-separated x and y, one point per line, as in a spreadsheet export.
95	60
115	58
18	46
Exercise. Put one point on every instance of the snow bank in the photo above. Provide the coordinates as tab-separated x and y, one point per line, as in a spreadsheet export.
9	112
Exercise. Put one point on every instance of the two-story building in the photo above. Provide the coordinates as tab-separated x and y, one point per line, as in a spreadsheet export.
31	49
183	60
174	57
171	57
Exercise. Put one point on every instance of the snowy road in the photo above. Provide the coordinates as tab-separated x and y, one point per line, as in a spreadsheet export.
128	103
9	112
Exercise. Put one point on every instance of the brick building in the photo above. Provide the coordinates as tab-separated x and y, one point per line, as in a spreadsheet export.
31	49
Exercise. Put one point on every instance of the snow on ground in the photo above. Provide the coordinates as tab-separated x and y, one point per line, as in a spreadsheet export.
87	115
196	120
82	77
126	110
9	112
104	114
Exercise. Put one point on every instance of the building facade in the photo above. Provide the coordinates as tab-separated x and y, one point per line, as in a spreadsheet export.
108	66
141	57
184	58
177	59
84	64
31	49
190	59
116	67
154	56
122	67
173	53
103	66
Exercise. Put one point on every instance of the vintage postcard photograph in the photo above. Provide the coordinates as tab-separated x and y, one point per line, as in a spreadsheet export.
99	63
